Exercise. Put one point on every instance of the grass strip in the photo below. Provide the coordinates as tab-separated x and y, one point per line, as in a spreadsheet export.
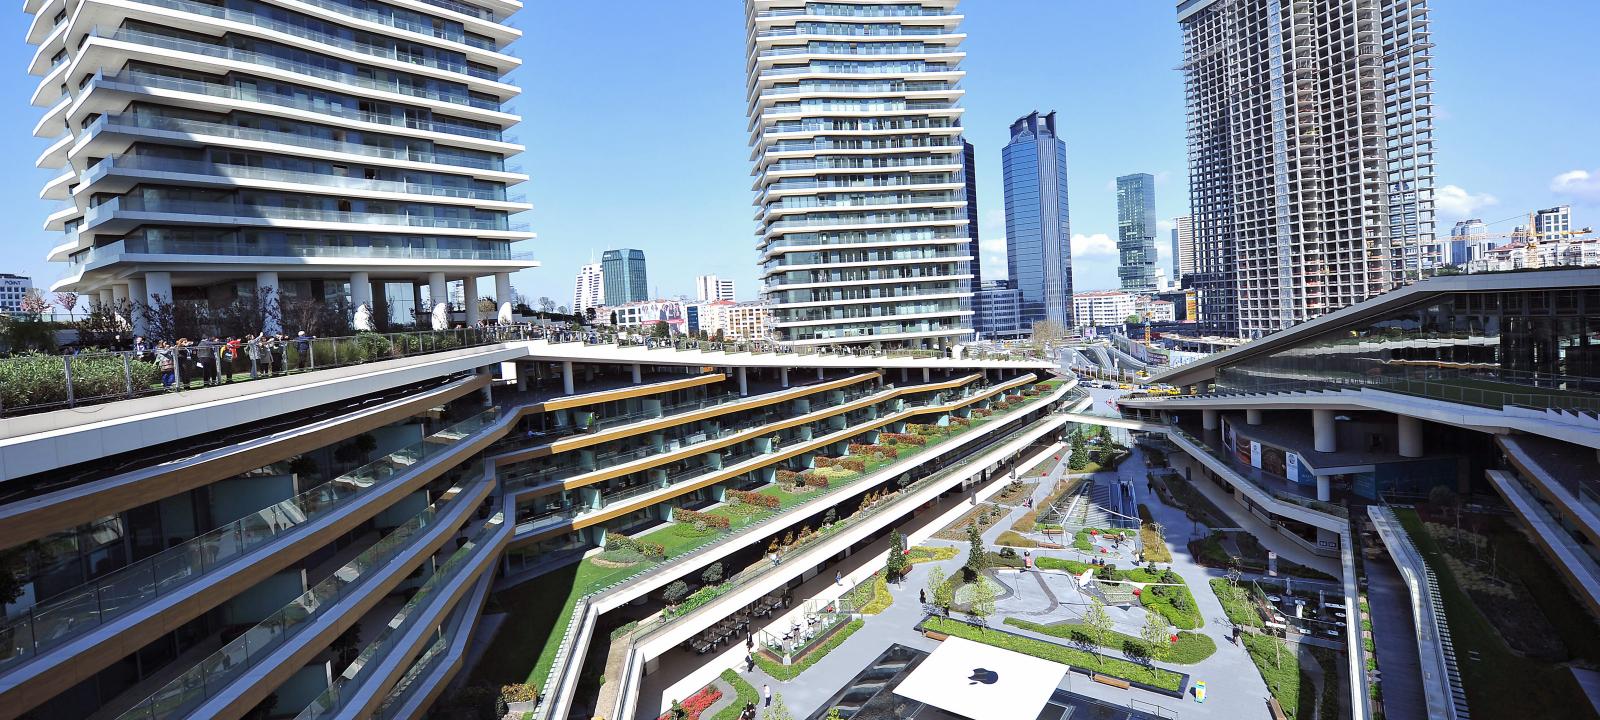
1236	604
746	695
1279	667
1153	676
1190	648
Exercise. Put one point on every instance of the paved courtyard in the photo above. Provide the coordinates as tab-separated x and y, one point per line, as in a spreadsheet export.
1235	688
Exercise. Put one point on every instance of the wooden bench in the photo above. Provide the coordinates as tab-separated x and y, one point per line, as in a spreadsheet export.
1113	682
1277	710
931	635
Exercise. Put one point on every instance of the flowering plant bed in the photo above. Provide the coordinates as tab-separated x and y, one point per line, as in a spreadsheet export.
697	703
754	498
694	517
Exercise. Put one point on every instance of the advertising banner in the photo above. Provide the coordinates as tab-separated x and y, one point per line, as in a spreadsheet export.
1255	454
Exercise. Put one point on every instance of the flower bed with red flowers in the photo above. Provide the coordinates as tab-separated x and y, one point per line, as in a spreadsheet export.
692	517
754	498
903	439
697	703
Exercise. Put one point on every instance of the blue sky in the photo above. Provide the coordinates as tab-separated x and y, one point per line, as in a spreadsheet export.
635	123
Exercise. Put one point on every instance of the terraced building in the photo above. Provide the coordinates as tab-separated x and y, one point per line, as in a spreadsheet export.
323	543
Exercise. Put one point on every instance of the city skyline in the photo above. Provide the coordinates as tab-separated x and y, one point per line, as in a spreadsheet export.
1480	94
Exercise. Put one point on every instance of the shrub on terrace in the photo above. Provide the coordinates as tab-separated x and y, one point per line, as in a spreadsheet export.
696	518
654	551
822	461
1013	399
787	477
849	463
982	412
754	498
816	480
903	439
959	421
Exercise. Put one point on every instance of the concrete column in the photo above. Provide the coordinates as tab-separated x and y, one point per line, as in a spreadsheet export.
272	310
744	386
1324	437
905	375
522	378
469	295
1208	419
502	296
638	373
566	378
1322	487
119	297
439	295
361	300
140	298
820	376
1410	436
783	376
1252	417
488	390
158	287
925	373
104	297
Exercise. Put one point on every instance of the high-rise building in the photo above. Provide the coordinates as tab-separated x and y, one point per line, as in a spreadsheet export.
13	288
855	119
708	288
1038	229
998	308
1310	155
589	289
1136	232
1182	248
969	170
1467	242
623	273
286	159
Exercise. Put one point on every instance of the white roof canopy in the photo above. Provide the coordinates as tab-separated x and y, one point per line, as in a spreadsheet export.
983	682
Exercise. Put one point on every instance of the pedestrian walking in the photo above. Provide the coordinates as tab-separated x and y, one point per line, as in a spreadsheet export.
164	361
253	351
838	578
766	694
922	597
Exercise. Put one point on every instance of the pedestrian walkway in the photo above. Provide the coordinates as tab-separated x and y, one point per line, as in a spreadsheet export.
1266	534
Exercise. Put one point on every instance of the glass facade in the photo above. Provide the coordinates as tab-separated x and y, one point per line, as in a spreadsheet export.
1038	231
624	276
1136	232
1525	347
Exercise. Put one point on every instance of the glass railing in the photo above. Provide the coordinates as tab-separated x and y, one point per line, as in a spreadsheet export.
274	248
860	163
267	60
344	687
408	684
249	18
142	204
138	82
54	382
1279	492
75	612
135	121
187	692
123	163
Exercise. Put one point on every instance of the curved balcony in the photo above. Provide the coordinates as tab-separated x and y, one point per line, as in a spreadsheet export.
141	122
128	164
137	82
223	52
226	213
322	38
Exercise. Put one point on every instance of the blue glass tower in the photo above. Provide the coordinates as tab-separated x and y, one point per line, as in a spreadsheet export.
1038	232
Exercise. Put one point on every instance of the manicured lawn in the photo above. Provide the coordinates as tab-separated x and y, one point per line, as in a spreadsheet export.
680	538
931	553
1175	603
1501	683
1155	548
1057	653
1280	667
1190	648
524	648
1236	603
1011	538
741	515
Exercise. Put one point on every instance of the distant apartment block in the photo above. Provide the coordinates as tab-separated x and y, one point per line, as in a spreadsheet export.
998	309
13	288
1310	155
1182	248
1099	308
589	289
624	277
708	288
855	125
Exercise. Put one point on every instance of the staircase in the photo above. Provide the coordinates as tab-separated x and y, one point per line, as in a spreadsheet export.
1458	694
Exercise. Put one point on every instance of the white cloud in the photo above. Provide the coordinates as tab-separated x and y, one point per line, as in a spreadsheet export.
994	245
1164	228
1581	184
1092	245
1454	201
1163	176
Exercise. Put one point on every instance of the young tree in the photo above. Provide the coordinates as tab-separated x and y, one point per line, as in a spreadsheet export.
67	301
982	601
1080	452
674	592
1098	622
660	331
712	574
976	559
1154	634
939	588
897	565
778	711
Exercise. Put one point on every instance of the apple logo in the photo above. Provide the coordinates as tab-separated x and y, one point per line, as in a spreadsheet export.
980	675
